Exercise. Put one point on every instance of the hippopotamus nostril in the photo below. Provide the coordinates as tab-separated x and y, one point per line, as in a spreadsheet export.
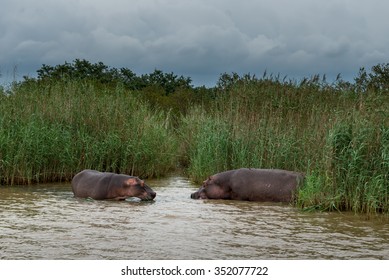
195	195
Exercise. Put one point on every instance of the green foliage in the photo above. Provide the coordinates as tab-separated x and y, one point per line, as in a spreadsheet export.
85	115
165	91
51	132
338	138
357	149
312	196
82	69
207	140
377	80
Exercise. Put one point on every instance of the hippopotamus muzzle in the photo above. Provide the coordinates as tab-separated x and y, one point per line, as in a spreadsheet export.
200	194
149	197
149	193
194	195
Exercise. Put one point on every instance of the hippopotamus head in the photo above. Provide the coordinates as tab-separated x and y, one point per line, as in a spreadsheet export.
212	189
135	187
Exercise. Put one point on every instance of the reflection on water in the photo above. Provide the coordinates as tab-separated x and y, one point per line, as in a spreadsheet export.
47	222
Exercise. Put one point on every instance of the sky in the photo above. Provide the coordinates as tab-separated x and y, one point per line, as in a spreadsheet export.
200	39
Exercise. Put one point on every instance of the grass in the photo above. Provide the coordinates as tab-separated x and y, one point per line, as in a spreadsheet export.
338	138
355	166
50	132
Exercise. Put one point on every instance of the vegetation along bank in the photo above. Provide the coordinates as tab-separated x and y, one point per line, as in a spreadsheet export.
83	115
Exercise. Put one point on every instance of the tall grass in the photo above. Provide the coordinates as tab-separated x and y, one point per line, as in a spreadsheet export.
340	140
354	174
254	126
51	131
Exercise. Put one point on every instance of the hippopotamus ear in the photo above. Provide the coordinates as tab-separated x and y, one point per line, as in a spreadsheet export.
134	182
206	181
131	182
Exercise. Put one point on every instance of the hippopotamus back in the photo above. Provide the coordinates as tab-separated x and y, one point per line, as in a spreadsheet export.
251	184
106	185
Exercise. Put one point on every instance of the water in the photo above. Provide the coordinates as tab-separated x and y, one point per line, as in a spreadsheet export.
47	222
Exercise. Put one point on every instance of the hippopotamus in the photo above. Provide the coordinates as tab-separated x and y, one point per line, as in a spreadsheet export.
106	185
265	185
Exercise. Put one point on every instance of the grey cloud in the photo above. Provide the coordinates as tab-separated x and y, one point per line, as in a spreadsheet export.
200	38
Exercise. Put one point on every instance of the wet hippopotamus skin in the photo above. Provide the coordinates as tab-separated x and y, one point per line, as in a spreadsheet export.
106	185
266	185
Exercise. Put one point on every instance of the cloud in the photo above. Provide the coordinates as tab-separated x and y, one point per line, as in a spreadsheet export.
200	39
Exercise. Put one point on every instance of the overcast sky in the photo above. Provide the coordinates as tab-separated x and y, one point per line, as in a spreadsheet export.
196	38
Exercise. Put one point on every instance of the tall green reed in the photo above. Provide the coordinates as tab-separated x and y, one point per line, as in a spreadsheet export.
51	131
339	139
246	127
354	174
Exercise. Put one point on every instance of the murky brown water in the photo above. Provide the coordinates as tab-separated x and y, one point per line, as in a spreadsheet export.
47	222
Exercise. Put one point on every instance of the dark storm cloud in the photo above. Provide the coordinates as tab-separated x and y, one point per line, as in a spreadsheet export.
200	39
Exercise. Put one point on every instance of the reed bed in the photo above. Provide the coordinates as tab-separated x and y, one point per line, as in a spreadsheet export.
48	132
338	137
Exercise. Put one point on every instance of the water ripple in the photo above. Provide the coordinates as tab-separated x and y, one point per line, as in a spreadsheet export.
47	222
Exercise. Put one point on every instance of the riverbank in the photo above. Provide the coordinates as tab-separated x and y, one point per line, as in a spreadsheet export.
340	138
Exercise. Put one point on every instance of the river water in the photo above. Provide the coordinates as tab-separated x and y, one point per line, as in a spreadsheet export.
47	222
